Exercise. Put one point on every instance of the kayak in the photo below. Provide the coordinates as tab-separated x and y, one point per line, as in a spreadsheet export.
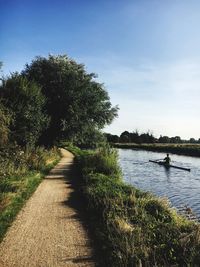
169	165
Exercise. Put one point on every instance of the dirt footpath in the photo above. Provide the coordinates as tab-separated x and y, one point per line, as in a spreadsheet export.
48	232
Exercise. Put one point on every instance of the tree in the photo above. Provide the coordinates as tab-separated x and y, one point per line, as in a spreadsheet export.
192	141
124	137
134	137
26	102
112	138
5	120
76	103
176	140
164	139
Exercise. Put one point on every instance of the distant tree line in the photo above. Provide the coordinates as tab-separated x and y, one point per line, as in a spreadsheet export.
135	137
53	99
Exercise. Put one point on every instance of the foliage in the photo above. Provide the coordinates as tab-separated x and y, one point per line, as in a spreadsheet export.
15	160
20	173
134	227
5	121
112	138
104	160
26	102
147	138
131	137
135	137
76	103
91	138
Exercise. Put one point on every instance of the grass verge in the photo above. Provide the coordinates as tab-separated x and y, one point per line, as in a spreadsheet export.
17	188
134	228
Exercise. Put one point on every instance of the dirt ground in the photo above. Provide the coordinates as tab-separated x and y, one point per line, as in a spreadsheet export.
49	231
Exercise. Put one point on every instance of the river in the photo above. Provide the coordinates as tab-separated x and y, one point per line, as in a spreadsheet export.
181	187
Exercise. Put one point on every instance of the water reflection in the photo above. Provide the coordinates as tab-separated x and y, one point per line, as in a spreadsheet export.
181	187
167	172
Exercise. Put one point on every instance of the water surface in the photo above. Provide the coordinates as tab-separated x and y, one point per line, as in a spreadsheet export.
182	188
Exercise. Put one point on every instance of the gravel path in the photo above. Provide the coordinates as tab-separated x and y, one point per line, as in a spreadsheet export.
48	232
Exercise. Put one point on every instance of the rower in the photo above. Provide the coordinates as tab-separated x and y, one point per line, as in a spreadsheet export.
167	160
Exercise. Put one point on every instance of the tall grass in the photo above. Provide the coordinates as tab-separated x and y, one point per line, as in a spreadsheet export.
133	227
16	160
21	171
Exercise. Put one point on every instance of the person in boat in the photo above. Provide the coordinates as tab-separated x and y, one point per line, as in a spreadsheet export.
167	160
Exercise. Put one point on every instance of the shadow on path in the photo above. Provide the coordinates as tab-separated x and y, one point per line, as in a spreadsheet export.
77	201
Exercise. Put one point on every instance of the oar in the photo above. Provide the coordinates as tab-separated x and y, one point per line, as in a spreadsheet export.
172	166
140	162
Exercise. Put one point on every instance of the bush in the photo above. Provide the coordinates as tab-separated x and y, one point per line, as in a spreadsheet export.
104	160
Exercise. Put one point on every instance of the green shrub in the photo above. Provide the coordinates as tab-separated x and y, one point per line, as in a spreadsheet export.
104	160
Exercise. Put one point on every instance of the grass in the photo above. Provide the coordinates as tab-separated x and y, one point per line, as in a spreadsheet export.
134	228
180	149
19	182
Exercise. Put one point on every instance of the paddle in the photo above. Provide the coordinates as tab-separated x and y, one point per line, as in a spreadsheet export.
158	159
140	162
145	161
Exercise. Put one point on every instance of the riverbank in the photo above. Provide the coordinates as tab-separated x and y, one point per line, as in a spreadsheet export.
134	228
180	149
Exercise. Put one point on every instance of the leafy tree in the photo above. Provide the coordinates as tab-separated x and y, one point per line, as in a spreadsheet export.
92	138
76	103
124	137
112	138
5	121
176	140
26	102
134	137
192	141
164	139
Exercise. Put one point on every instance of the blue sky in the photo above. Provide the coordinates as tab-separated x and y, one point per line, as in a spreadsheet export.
146	52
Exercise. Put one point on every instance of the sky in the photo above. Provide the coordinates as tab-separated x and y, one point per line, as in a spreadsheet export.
146	52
